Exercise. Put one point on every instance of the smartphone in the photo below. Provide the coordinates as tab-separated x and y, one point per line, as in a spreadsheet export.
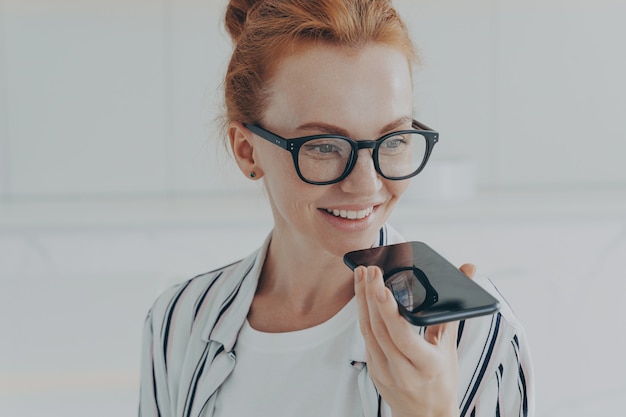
428	289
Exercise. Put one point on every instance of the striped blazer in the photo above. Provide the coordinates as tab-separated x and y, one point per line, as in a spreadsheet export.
191	331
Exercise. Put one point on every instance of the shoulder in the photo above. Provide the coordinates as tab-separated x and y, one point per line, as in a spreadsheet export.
180	325
184	302
193	304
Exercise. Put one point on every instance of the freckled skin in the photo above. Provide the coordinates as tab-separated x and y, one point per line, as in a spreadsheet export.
359	93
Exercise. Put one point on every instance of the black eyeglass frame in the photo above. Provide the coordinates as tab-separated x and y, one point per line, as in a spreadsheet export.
294	145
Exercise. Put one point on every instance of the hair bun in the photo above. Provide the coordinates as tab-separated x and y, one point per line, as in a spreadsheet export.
236	15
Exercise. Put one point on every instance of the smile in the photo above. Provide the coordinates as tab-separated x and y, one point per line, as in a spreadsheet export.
351	214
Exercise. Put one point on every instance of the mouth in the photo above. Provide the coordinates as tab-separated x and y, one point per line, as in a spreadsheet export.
351	214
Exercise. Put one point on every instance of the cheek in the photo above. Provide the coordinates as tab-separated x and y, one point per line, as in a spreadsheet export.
398	188
282	182
273	161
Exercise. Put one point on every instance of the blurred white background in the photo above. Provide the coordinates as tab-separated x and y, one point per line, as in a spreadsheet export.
114	184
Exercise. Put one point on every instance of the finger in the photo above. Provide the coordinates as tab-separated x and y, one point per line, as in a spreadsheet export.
359	292
403	340
405	348
468	269
360	277
380	348
377	298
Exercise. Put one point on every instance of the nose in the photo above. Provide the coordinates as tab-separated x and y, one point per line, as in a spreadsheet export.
363	179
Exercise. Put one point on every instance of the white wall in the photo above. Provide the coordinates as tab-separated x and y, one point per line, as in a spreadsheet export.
532	92
110	98
116	98
112	185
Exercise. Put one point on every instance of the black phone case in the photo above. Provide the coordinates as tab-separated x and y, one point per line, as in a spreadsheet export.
449	294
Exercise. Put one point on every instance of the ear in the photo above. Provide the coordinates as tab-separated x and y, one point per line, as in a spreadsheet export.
242	146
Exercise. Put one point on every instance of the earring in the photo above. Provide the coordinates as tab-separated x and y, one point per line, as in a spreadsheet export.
252	174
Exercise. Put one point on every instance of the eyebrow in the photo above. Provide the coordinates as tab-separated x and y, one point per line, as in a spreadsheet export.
336	130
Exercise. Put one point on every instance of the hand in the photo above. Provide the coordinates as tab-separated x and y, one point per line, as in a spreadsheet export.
417	376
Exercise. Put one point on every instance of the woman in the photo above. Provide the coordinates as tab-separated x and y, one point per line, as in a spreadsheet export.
290	331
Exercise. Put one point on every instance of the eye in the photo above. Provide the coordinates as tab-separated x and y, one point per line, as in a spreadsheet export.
323	148
394	143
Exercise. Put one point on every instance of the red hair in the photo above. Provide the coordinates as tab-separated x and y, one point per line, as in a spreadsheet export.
264	31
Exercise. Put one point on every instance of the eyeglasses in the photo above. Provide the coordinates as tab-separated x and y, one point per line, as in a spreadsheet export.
328	159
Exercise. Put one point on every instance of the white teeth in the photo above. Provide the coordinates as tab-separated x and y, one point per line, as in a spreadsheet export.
351	214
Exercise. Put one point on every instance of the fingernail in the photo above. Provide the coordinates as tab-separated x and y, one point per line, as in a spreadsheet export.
472	270
358	275
371	274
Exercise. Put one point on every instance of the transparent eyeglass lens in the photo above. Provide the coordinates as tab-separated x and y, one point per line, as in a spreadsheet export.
406	289
326	159
401	155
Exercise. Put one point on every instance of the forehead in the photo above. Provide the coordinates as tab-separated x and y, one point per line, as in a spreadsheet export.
357	89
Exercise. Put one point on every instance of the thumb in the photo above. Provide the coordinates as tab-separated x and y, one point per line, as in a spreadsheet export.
468	269
444	333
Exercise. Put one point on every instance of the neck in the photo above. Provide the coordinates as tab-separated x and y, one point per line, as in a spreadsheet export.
305	278
302	284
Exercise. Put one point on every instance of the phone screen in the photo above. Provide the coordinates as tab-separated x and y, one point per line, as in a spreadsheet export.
427	288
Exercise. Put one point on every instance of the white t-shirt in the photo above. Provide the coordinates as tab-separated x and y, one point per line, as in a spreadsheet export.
301	373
